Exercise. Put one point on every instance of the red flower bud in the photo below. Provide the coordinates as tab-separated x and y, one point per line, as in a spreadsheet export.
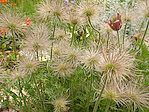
115	22
14	4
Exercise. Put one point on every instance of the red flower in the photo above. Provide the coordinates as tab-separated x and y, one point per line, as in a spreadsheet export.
3	1
115	22
3	31
28	22
14	4
27	19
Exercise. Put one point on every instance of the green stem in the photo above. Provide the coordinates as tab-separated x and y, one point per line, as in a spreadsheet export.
108	40
144	35
92	26
54	27
128	108
141	25
72	38
51	51
124	33
37	54
14	47
108	105
91	82
99	97
118	38
94	29
39	94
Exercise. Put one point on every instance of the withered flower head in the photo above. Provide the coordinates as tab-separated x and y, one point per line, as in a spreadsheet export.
115	22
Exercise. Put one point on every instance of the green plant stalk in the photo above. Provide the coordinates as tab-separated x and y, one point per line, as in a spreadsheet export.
72	38
54	27
144	35
51	51
124	33
141	25
118	38
128	108
14	47
93	27
39	94
91	82
99	97
37	54
108	40
108	105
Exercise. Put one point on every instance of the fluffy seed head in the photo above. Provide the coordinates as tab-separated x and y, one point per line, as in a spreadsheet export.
144	8
17	74
111	92
60	104
73	18
87	9
61	35
117	64
73	55
90	59
51	9
135	94
12	22
62	68
38	39
28	65
44	9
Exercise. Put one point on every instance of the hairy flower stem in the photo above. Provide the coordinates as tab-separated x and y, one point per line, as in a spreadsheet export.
54	27
89	20
99	97
14	47
37	54
72	38
144	35
39	94
91	82
51	51
108	105
108	40
118	38
124	33
141	25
